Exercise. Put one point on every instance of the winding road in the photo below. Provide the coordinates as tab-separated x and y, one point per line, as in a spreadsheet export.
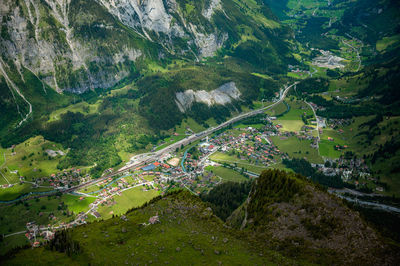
145	158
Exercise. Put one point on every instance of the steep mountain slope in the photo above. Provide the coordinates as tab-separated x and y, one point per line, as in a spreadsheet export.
285	220
184	231
286	212
79	46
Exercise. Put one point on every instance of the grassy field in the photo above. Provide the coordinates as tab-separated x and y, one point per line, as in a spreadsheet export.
326	149
256	126
226	174
297	148
189	122
225	158
386	42
12	242
277	110
31	159
89	189
129	199
264	76
19	189
82	107
75	204
281	166
292	121
171	140
14	218
2	154
182	235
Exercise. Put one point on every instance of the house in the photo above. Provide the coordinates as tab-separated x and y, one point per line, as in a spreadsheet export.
96	214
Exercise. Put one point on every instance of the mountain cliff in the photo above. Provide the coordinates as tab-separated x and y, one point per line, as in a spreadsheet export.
76	45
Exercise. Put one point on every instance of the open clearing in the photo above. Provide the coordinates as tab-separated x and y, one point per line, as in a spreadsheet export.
226	174
297	148
31	159
129	199
225	158
75	204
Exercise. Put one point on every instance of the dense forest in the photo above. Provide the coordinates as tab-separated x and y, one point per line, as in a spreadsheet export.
227	197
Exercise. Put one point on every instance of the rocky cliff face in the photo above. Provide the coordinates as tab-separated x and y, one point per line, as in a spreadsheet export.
223	95
80	45
50	39
164	21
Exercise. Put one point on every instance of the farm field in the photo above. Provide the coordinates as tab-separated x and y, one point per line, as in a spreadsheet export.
14	217
326	149
189	122
291	121
277	110
31	159
129	199
75	204
225	158
297	148
385	42
226	174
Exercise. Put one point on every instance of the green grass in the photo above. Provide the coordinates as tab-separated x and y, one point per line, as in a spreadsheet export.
290	125
82	107
171	140
256	126
19	189
90	189
14	218
264	76
183	234
326	149
75	204
281	166
189	122
277	110
292	121
2	153
226	174
297	148
129	199
296	111
31	160
11	242
385	42
225	158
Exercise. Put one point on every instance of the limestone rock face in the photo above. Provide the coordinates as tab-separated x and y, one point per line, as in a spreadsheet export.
166	17
81	45
223	95
45	38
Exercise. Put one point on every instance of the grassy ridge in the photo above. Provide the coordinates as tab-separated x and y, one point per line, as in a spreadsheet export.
187	229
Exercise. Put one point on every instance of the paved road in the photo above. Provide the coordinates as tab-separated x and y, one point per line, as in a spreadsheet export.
145	158
316	119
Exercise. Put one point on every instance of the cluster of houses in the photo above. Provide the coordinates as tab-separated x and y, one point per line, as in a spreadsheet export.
353	170
252	144
38	234
335	123
64	179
